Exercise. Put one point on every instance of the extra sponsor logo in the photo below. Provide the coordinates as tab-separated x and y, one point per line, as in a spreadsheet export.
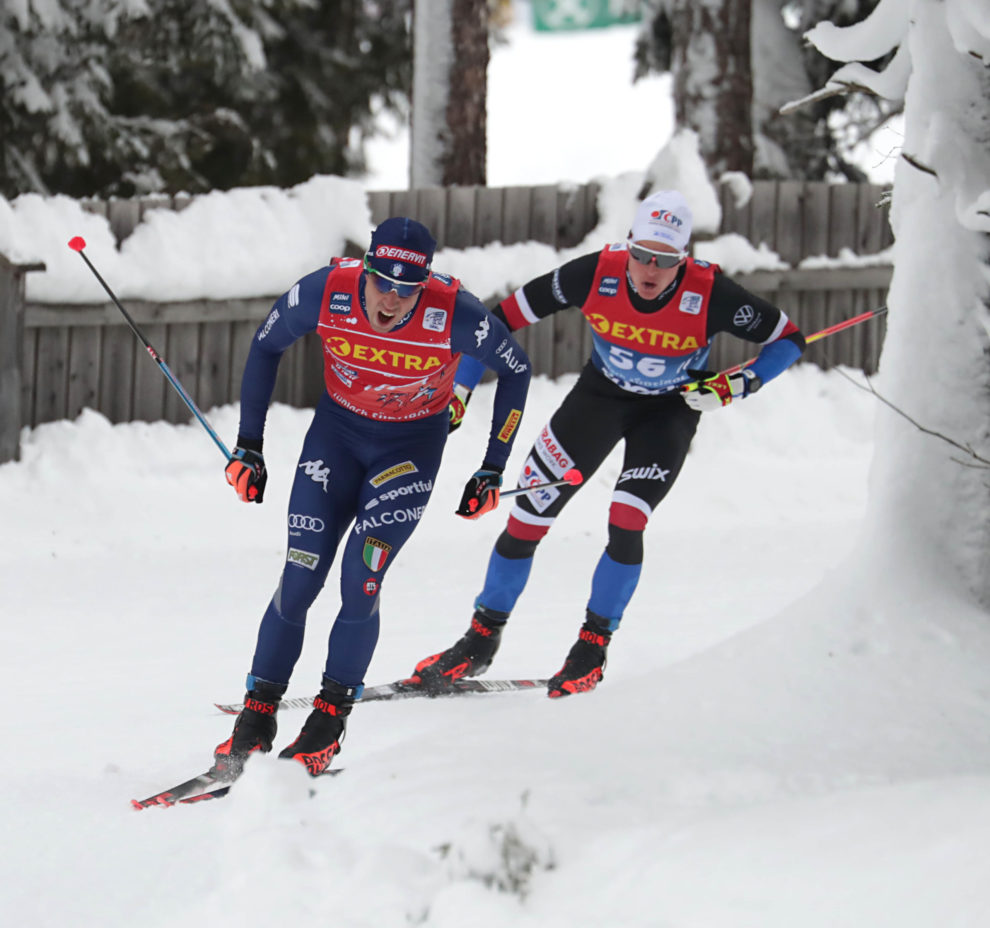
269	322
340	302
375	553
317	472
691	304
553	455
511	421
397	470
303	558
396	517
435	320
609	286
481	333
420	486
306	523
650	472
400	254
341	347
640	335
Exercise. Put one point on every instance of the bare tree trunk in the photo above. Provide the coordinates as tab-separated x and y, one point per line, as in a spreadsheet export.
713	86
466	156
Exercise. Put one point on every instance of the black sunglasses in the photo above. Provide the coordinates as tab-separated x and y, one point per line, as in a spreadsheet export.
643	255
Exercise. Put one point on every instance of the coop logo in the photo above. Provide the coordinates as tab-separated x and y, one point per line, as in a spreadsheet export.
340	302
316	472
303	558
667	217
400	254
609	286
744	315
531	476
306	523
397	470
269	322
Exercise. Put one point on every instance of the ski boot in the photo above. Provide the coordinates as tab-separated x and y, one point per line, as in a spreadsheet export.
584	665
254	730
470	656
319	741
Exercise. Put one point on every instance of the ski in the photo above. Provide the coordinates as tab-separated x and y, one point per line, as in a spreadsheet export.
182	792
404	689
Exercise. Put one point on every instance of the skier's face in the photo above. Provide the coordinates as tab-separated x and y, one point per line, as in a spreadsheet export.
649	279
386	310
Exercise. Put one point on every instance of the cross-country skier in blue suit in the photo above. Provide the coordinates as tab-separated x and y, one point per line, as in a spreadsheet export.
392	332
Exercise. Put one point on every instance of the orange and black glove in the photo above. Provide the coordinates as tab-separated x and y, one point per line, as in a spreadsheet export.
246	471
480	493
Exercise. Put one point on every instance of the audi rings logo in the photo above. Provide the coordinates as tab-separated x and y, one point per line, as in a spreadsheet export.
306	523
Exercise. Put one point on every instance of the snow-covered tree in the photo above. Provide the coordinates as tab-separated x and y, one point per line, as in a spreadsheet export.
930	501
736	62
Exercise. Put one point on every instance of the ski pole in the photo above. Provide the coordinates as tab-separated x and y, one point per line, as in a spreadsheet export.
77	244
808	339
573	477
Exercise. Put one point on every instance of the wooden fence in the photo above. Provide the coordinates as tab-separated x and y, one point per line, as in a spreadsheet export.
74	357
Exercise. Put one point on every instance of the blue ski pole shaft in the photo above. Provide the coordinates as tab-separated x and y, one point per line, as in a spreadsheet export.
78	244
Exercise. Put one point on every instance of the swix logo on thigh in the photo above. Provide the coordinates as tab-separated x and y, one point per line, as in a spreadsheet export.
650	472
556	458
317	472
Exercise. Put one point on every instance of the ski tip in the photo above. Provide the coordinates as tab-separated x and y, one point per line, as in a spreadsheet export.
137	804
77	243
573	477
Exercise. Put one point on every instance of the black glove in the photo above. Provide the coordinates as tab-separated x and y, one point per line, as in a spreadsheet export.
246	471
480	493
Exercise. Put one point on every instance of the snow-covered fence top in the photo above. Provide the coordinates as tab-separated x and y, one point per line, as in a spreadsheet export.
198	301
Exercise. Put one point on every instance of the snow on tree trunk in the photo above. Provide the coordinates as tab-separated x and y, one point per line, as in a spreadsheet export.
929	508
450	66
713	88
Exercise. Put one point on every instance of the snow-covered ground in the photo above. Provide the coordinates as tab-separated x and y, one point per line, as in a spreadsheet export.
763	751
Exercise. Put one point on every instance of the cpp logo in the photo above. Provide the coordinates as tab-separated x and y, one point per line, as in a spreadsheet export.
306	523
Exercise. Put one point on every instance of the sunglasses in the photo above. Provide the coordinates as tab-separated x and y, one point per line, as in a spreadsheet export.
663	258
385	284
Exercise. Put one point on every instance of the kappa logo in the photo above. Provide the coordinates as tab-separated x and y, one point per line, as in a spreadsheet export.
744	315
317	472
481	333
303	558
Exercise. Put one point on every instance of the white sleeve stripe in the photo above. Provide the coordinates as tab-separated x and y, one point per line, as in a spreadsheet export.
524	307
781	325
627	499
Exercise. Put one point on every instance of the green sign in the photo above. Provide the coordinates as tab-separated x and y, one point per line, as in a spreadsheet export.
559	15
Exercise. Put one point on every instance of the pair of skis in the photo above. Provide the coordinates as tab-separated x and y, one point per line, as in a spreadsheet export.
212	785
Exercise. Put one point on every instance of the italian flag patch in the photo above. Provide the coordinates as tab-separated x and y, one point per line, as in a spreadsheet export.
375	553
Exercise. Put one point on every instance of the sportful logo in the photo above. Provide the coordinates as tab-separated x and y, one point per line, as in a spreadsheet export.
317	472
303	558
294	296
400	254
306	523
